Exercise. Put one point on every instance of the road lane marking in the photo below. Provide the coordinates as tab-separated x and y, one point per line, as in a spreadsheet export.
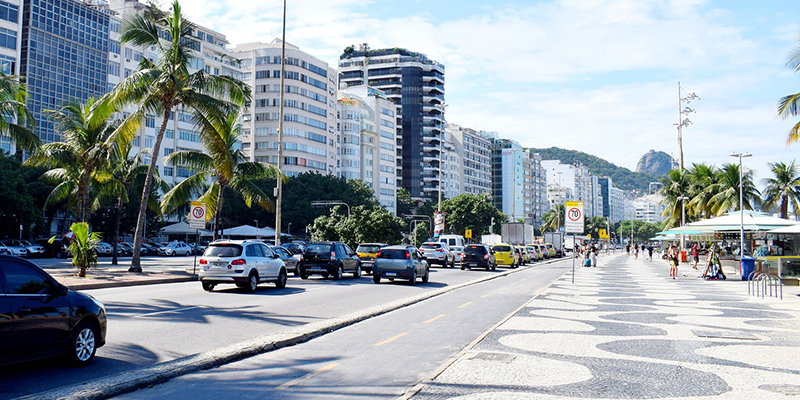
307	376
514	283
465	304
391	339
165	312
435	318
486	295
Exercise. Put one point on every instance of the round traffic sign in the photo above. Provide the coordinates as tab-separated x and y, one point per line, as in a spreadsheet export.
574	214
198	213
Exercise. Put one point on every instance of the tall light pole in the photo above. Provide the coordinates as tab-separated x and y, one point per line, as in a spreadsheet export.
558	213
683	122
279	185
683	218
741	204
257	233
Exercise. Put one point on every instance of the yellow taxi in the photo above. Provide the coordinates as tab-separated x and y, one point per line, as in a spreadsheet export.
368	252
504	254
551	250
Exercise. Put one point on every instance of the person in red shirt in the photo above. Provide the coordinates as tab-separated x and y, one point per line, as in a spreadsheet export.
695	255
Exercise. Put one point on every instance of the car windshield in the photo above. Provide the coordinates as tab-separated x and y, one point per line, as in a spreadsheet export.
371	248
502	248
430	246
394	254
319	249
25	243
475	249
223	250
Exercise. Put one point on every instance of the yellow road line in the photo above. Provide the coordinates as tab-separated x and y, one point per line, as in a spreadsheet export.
306	377
391	339
486	295
465	304
435	318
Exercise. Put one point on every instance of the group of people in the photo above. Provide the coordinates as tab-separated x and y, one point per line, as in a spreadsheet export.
637	247
589	252
712	270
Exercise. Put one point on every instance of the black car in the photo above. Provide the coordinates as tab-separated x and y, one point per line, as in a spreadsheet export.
41	318
478	256
292	263
57	249
329	259
294	248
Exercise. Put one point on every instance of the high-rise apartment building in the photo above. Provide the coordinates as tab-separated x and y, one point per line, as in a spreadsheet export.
475	148
452	167
64	55
310	139
537	192
10	45
416	84
366	122
508	178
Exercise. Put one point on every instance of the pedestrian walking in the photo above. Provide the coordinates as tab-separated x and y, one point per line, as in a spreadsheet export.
635	251
628	249
672	258
593	255
695	255
650	252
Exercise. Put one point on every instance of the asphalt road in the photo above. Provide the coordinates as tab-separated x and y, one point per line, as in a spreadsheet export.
157	323
382	357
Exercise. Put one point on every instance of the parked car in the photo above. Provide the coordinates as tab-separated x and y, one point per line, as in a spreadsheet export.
504	254
50	319
552	250
368	252
5	250
401	262
329	259
458	252
438	253
175	248
15	250
292	263
545	252
294	247
524	257
124	249
536	253
245	263
196	248
104	249
479	256
148	249
34	250
58	249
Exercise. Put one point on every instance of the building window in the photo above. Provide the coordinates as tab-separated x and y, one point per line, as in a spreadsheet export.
8	39
9	12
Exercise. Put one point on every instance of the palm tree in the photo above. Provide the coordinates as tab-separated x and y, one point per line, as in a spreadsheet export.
16	121
727	190
788	105
676	185
594	225
784	188
125	174
167	84
701	178
82	247
224	164
553	219
87	146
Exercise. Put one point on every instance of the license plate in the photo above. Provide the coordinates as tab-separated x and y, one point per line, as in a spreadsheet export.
391	274
472	265
220	264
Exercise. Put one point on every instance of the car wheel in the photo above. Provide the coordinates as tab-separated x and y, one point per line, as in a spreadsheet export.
463	267
413	280
303	275
357	272
494	266
281	282
339	273
488	267
426	277
252	281
376	278
83	344
297	270
325	276
208	286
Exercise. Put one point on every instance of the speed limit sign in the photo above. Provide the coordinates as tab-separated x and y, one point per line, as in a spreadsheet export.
573	218
197	215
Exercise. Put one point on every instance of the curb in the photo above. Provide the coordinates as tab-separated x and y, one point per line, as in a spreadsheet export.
103	285
129	381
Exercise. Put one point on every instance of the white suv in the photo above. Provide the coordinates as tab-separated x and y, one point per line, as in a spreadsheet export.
438	253
245	263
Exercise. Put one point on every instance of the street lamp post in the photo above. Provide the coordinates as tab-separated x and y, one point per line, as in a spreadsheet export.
257	233
683	218
279	182
558	213
741	205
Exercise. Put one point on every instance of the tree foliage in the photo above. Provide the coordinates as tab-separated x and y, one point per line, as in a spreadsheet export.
18	204
470	211
367	224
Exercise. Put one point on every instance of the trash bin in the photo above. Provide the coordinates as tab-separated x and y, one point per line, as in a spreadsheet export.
748	265
683	256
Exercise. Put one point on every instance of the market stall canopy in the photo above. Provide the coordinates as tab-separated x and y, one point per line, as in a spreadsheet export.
182	228
731	222
787	229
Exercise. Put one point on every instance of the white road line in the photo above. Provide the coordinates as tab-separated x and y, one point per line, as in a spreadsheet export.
165	312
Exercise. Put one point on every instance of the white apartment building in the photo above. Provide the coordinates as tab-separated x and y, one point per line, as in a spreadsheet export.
573	183
212	55
452	167
537	194
368	135
649	208
310	138
475	148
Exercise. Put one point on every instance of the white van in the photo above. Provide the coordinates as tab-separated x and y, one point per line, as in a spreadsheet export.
452	240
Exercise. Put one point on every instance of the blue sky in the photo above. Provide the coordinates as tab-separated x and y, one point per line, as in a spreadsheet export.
598	76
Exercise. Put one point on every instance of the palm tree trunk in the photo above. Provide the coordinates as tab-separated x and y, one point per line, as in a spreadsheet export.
117	219
218	212
83	196
784	207
136	262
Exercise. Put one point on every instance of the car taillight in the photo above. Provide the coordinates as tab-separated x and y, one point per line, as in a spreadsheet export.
485	256
440	250
238	261
203	261
333	255
408	256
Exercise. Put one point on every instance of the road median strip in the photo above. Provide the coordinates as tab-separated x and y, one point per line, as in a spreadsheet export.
129	381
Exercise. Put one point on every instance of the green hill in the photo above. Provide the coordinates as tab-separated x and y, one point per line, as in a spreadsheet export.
623	178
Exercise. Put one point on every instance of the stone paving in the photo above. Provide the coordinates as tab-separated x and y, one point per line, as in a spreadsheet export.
625	330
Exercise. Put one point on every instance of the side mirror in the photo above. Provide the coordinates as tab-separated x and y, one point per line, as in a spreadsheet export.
422	257
62	290
275	255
